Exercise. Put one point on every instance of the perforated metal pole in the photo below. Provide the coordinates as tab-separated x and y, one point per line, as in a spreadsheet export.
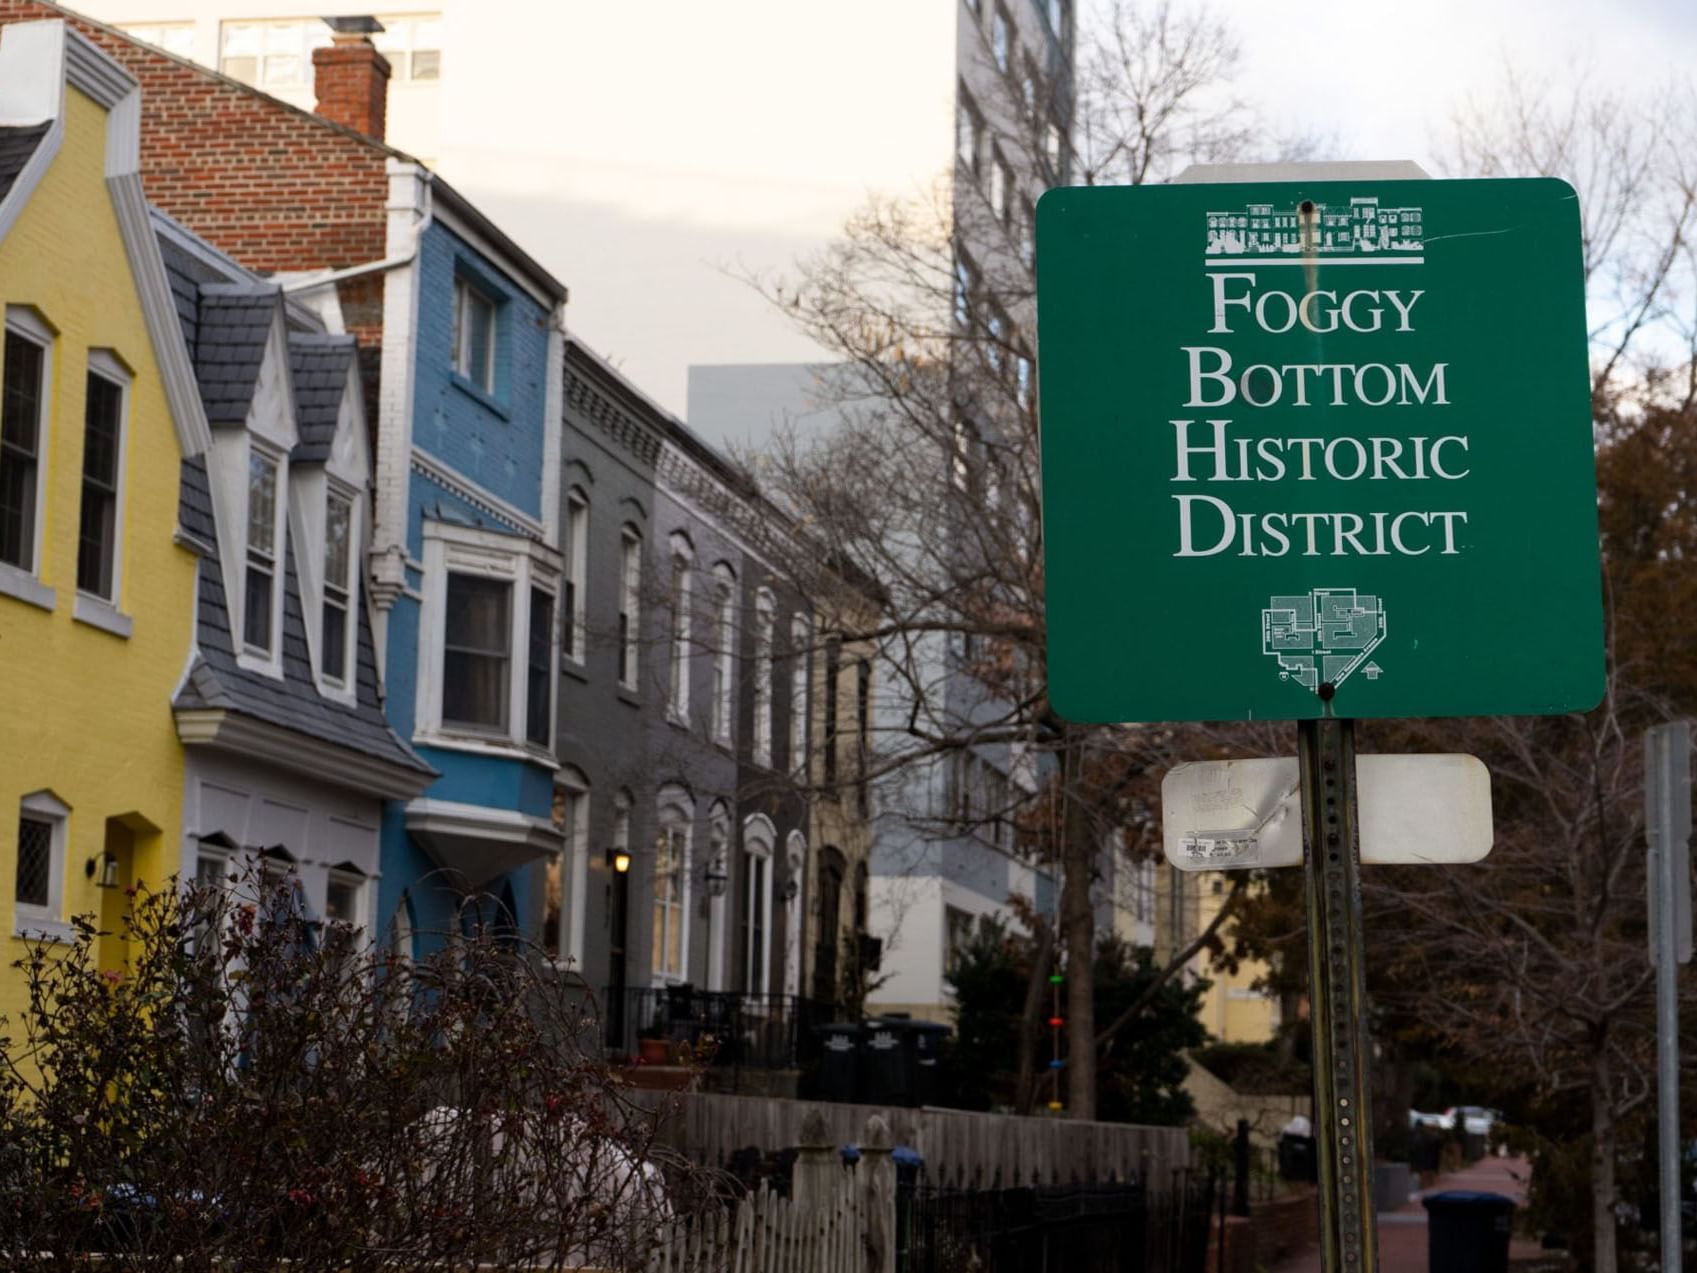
1349	1238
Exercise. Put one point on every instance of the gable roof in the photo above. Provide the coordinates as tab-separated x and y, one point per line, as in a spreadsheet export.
319	365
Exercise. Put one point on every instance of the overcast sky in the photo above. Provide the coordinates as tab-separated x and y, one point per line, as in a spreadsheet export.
670	142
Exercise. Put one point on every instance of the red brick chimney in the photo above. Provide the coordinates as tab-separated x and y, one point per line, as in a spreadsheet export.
351	77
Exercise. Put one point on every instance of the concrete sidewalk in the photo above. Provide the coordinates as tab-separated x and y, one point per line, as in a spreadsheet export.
1402	1233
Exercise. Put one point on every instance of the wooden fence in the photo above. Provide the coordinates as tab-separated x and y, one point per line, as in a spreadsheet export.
958	1146
836	1220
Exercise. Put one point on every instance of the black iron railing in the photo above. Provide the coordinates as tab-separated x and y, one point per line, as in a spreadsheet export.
724	1028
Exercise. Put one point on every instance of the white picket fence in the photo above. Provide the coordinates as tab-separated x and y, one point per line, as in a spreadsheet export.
837	1220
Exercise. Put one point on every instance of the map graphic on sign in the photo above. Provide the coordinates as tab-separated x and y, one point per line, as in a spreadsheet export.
1323	635
1359	228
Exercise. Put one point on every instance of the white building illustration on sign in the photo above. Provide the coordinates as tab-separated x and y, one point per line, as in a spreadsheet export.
1360	228
1323	635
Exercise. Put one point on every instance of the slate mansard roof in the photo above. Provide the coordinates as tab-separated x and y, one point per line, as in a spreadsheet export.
17	144
225	324
319	367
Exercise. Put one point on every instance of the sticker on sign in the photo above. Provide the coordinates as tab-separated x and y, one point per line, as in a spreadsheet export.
1229	815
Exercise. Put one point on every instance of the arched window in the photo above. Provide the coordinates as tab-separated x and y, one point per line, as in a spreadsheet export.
763	678
630	603
669	929
677	677
573	637
724	649
758	838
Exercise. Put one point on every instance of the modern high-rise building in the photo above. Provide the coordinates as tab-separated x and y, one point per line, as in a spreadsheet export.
946	847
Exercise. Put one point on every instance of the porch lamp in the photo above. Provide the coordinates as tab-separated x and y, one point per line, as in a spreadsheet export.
717	876
620	859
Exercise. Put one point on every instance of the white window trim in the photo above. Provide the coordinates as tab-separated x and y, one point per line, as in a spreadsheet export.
346	690
361	883
574	869
630	602
269	662
103	364
521	563
764	708
22	322
577	571
724	652
718	854
680	621
45	921
675	810
464	288
758	838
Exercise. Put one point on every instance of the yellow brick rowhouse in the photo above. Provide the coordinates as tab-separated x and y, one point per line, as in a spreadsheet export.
98	408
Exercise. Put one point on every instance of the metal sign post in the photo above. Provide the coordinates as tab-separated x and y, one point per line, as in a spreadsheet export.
1667	827
1349	1239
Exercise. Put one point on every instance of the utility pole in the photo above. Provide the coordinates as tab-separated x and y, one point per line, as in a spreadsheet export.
1349	1240
1667	828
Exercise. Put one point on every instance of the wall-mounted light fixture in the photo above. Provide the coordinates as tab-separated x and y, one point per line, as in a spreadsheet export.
107	866
718	875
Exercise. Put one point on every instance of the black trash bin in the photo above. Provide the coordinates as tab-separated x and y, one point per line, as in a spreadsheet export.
885	1059
926	1040
839	1058
1467	1232
1297	1159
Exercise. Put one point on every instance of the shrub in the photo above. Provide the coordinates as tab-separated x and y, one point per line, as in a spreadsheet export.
253	1087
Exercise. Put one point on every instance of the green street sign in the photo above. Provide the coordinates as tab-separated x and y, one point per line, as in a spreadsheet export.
1313	434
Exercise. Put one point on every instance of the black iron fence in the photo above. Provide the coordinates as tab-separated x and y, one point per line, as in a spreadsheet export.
1103	1228
722	1028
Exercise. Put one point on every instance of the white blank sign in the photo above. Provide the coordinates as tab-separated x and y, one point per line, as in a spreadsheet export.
1222	815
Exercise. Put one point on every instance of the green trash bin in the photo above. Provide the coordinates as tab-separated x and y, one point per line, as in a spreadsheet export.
1467	1231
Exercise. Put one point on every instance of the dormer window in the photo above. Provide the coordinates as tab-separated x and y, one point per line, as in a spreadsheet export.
474	336
259	604
338	584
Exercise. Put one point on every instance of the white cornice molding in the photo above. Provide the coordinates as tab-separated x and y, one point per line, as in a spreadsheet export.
224	730
478	497
95	72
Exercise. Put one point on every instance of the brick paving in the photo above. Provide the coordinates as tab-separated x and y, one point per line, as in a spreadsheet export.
1402	1233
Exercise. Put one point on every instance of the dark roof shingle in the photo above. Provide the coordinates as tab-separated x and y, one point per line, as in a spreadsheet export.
319	366
235	321
17	143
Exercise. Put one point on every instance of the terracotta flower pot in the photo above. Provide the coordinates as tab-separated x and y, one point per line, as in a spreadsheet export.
654	1051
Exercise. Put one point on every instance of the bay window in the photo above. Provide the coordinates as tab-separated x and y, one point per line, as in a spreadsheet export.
539	673
487	656
476	651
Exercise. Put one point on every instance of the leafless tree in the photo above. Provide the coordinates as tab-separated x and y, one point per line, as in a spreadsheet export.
930	484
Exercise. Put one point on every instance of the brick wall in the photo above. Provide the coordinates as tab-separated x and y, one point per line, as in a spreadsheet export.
277	188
